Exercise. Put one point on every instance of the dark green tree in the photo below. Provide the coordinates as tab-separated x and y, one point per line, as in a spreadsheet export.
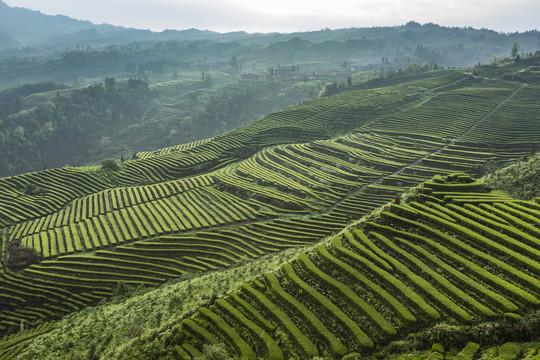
109	165
234	63
110	82
330	88
514	51
208	80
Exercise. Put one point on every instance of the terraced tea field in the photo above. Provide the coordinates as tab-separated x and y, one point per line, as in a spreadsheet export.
510	350
436	258
193	99
290	179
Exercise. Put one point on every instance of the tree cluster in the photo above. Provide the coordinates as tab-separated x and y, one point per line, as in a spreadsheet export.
62	129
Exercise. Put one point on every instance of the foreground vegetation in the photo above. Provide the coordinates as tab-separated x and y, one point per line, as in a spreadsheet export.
141	324
520	180
137	312
433	258
74	237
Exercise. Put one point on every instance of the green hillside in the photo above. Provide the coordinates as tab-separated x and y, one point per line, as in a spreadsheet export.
520	180
241	203
74	52
435	258
47	126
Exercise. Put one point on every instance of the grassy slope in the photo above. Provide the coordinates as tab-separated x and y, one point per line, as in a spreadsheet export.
210	109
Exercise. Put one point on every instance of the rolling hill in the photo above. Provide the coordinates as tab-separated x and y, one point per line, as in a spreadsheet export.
256	203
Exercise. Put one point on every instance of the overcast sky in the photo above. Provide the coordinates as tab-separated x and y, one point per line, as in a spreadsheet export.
293	15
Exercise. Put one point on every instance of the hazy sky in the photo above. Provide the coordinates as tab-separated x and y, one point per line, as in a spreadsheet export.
294	15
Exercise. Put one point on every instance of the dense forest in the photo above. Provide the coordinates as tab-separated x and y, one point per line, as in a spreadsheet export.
47	125
60	130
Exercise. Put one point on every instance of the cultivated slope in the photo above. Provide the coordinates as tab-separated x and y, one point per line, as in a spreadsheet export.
437	258
287	180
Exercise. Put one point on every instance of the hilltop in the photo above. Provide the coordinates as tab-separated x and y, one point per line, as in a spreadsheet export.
264	236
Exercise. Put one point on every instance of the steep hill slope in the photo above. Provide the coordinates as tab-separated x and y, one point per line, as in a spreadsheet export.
427	270
434	259
289	179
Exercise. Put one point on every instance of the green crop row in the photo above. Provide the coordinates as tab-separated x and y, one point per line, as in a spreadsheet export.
403	313
209	238
193	245
157	260
454	112
264	193
94	273
421	283
468	351
483	291
306	346
228	332
114	265
442	281
273	352
195	208
324	166
181	147
520	109
198	331
495	226
505	286
10	346
280	155
182	250
490	244
386	277
518	219
524	211
306	316
406	266
353	329
297	173
361	203
344	291
252	170
57	188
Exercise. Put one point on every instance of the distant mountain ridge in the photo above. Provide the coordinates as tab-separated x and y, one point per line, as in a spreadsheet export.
24	27
29	26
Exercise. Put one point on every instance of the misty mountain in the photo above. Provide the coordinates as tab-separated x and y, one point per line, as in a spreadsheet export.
30	27
24	27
